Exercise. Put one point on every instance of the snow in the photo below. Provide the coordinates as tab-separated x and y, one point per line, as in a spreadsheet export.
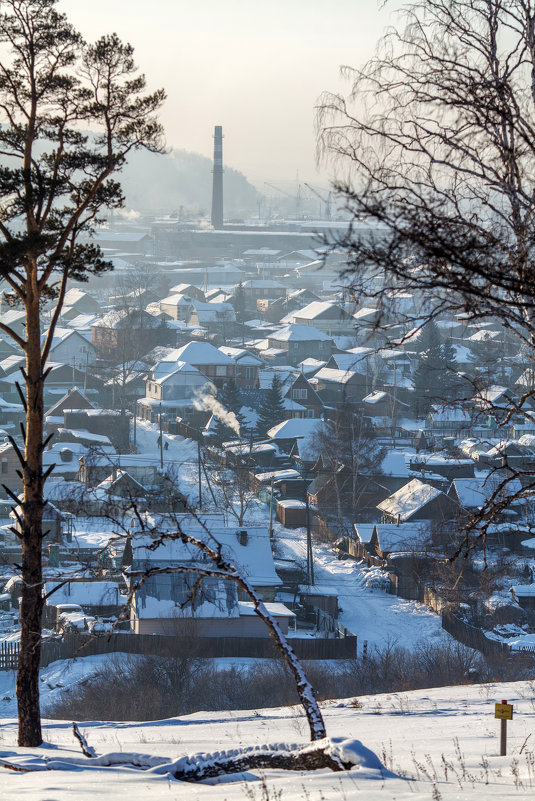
409	499
86	593
405	537
254	557
474	492
400	745
374	616
299	333
330	375
295	428
275	609
317	308
394	464
290	503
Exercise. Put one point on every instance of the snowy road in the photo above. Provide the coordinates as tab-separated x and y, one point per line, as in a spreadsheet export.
374	616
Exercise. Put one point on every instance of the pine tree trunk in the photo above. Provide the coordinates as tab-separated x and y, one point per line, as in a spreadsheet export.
32	514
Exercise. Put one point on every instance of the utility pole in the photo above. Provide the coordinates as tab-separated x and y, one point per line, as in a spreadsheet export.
271	510
310	557
86	366
199	470
135	424
161	438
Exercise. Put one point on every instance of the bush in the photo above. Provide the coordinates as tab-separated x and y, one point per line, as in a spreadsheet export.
154	688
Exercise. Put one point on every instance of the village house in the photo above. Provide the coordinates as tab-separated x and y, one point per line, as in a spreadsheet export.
177	307
71	347
300	342
418	501
247	366
78	302
336	387
165	604
170	389
126	333
211	362
331	318
301	392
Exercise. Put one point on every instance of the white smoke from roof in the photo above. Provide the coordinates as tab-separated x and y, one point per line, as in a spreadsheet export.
206	401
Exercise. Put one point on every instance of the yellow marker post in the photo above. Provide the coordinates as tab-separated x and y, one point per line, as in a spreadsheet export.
503	712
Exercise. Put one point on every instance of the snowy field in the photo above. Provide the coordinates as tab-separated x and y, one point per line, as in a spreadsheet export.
441	744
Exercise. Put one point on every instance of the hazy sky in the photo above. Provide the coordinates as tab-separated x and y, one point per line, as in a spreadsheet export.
256	67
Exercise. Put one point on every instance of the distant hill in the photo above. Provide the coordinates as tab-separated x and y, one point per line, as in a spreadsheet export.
153	182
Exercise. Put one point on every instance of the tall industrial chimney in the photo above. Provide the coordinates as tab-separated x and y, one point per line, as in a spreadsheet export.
217	186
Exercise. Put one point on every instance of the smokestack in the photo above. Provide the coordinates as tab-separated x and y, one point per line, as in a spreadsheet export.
217	186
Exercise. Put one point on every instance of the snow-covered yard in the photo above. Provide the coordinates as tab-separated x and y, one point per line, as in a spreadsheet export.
441	743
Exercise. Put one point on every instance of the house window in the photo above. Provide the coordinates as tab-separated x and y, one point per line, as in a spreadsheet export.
249	372
4	465
221	371
310	412
299	394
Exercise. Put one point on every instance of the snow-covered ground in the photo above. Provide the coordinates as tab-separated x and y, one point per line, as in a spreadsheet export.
372	614
441	743
180	455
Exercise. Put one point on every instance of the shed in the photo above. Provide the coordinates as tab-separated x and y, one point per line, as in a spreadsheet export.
292	512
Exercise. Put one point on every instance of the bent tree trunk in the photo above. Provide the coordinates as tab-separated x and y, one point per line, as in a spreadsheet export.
31	530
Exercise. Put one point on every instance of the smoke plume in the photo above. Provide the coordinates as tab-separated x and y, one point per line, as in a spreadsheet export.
206	401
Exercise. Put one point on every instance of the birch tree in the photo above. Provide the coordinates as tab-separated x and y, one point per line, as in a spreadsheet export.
434	148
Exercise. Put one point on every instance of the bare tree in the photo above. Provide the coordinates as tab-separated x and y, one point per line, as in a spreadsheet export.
232	488
55	181
351	457
435	147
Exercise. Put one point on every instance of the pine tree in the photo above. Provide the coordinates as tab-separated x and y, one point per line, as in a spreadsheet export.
239	303
435	379
55	182
230	398
271	409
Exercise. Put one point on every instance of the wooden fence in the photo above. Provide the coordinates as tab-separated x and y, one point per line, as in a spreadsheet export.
72	645
9	655
474	637
342	644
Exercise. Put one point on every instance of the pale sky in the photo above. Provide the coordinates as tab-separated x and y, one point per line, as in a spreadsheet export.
256	67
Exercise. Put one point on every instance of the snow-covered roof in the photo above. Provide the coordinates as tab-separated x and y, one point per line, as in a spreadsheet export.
275	609
409	499
254	558
308	366
200	353
449	414
394	464
86	593
241	356
291	503
375	397
405	537
299	333
317	308
294	429
473	492
277	475
176	300
332	376
355	362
